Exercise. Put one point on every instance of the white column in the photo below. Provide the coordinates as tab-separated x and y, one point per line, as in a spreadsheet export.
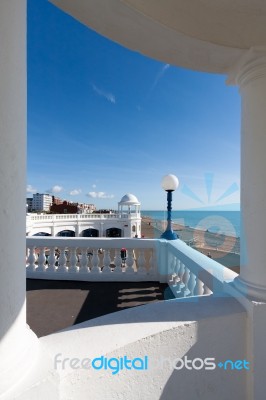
250	75
18	345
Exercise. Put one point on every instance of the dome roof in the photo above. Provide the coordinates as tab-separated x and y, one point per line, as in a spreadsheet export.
129	199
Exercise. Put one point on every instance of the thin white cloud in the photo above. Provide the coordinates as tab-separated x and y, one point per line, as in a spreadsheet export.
94	186
75	192
30	189
100	195
160	75
108	96
55	189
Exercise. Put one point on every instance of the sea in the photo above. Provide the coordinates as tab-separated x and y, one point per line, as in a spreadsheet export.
222	222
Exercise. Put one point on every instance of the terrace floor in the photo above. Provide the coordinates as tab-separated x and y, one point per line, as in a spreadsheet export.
55	305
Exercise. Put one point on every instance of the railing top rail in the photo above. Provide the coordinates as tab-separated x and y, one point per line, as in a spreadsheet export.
56	217
106	243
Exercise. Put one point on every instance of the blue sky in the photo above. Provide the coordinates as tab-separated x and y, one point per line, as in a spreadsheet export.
104	121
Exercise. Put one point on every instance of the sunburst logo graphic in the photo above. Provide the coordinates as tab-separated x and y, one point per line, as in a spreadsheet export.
209	179
214	232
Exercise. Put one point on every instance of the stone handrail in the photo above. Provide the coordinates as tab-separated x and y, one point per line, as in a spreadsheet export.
78	217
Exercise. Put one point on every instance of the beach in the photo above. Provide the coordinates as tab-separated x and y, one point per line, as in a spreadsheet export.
222	248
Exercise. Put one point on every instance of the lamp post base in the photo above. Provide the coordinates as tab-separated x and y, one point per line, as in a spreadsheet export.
169	235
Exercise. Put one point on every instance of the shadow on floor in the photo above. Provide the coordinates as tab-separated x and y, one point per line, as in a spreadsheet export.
55	305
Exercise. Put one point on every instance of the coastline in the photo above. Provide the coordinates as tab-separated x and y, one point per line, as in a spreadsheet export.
224	249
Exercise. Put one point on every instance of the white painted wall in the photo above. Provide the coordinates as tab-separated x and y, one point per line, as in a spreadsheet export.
205	327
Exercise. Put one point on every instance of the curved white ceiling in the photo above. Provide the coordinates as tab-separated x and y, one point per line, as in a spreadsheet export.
207	35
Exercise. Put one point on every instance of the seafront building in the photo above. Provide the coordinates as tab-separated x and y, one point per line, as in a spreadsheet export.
41	201
224	315
126	222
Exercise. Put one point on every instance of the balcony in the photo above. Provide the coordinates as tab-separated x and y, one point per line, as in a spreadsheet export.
201	303
188	272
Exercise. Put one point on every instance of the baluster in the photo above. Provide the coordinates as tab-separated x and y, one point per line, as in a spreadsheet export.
51	260
41	260
95	262
89	254
171	263
73	260
199	289
100	255
83	262
62	260
130	262
106	262
118	262
172	271
180	283
191	283
207	290
142	263
31	259
175	278
177	266
185	290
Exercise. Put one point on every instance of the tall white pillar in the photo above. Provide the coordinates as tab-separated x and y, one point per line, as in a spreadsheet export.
250	75
18	345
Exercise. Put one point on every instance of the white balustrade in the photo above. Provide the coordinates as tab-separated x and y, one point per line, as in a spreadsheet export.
191	273
78	217
188	272
91	259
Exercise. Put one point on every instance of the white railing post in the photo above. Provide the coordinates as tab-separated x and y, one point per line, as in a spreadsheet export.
191	283
51	260
95	262
181	272
83	262
31	259
73	260
185	290
130	262
106	262
62	260
117	261
41	260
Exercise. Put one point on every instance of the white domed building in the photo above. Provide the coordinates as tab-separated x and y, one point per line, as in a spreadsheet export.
129	207
126	222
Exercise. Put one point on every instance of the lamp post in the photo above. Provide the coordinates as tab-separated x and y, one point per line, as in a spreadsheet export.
169	184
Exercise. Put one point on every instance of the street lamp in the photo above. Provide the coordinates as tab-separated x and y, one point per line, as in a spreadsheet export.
169	184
